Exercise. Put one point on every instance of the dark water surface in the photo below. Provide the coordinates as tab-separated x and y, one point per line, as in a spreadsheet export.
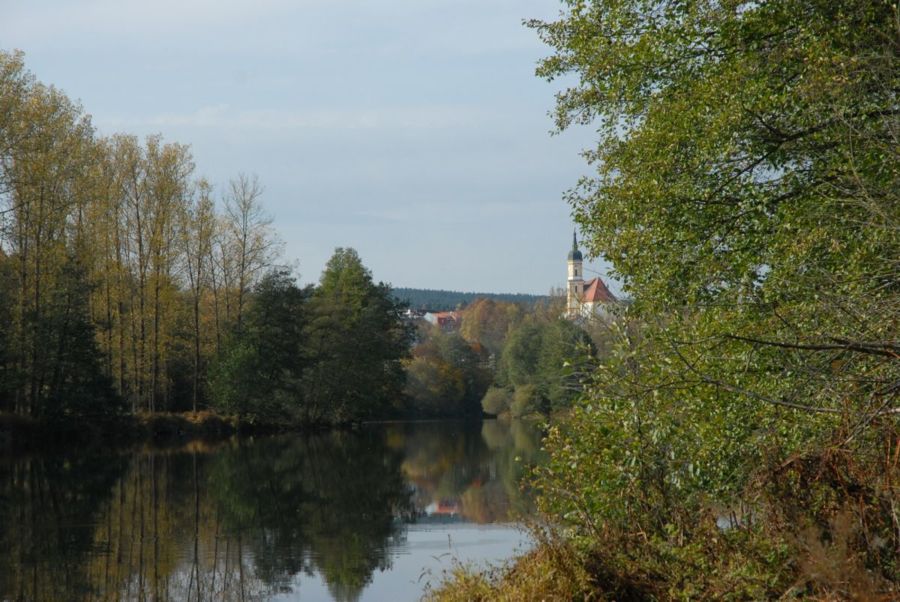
372	514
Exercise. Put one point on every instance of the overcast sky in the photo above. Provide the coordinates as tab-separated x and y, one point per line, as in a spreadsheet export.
412	130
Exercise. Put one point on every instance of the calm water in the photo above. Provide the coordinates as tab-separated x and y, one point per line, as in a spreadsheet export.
373	514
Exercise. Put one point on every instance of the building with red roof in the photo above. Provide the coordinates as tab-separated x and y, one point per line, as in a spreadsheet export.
447	321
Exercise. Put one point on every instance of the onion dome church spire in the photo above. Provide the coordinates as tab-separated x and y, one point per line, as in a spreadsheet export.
584	299
574	254
575	283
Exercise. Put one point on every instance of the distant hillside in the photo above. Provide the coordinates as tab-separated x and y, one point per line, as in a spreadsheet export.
436	300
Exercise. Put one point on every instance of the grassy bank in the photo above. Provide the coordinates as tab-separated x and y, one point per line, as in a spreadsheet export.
550	571
821	526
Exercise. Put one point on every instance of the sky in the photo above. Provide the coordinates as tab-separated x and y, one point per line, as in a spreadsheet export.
414	131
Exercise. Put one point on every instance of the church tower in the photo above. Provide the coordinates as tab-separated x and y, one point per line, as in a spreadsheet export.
575	284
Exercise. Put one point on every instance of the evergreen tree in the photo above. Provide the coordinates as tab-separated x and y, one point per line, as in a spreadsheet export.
76	384
259	373
356	339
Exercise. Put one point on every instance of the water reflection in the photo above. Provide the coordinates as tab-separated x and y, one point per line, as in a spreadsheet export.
251	519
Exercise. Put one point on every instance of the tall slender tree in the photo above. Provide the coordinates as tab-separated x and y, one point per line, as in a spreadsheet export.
249	234
197	232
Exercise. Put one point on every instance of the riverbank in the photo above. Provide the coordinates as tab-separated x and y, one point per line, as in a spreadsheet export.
21	433
818	526
551	570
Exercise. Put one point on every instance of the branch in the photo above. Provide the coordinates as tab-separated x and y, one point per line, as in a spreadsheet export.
884	349
751	394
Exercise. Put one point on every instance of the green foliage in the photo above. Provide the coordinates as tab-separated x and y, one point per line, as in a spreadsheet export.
9	374
566	355
496	401
446	375
258	375
59	345
434	386
520	356
550	356
471	360
50	364
332	354
161	277
746	195
77	385
735	141
356	340
526	401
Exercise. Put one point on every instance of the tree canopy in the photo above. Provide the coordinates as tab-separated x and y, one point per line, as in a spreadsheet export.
356	339
746	194
324	354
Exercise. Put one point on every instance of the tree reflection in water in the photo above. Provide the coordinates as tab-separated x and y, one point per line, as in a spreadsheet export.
247	519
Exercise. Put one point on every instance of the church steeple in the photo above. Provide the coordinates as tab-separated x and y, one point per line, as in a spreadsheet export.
584	298
574	254
575	284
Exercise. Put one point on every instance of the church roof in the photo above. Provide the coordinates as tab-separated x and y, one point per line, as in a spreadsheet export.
595	291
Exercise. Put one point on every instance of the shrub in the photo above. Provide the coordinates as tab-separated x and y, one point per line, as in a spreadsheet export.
496	401
526	400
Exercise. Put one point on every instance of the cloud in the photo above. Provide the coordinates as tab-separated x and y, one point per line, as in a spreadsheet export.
274	27
50	19
454	212
223	116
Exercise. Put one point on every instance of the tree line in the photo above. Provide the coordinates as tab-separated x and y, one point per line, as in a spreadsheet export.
442	300
126	280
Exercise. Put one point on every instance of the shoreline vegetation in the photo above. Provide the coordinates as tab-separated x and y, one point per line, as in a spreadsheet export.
737	436
18	433
24	434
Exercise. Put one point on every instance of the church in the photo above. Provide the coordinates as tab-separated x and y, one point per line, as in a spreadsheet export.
584	298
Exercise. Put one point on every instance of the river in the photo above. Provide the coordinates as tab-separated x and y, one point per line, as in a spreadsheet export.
375	513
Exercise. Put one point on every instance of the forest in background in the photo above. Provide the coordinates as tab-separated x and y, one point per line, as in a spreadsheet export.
441	300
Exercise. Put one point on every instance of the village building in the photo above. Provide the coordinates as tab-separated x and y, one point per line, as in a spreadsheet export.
584	298
447	321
